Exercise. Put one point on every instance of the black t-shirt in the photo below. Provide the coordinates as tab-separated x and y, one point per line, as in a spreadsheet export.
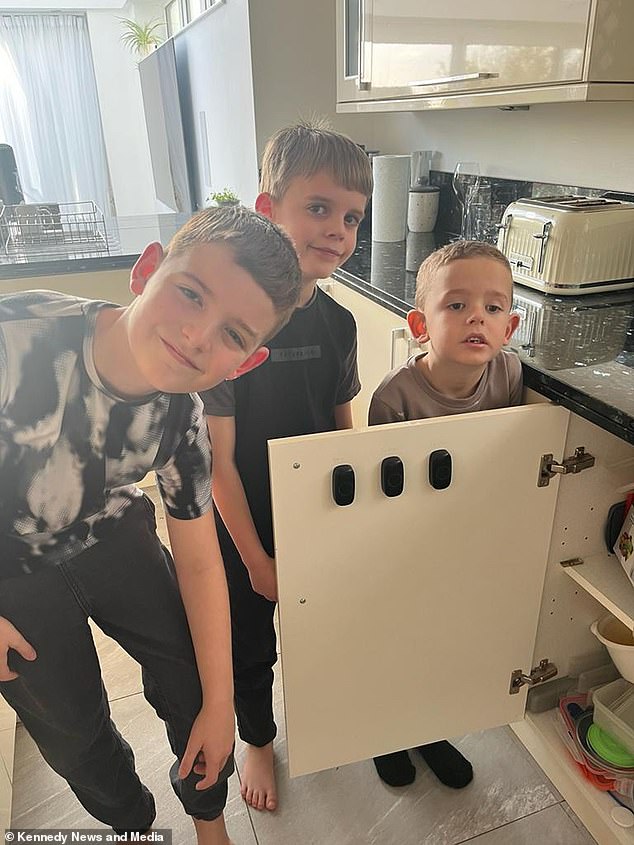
311	369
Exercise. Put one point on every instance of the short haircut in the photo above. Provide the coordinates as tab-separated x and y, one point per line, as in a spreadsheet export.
308	147
448	254
259	247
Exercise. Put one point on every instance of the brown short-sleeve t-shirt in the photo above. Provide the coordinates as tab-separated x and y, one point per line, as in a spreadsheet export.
405	394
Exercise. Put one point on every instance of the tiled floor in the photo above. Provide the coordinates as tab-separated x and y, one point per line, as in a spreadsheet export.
510	802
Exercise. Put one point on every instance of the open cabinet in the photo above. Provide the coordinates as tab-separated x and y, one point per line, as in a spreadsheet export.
404	618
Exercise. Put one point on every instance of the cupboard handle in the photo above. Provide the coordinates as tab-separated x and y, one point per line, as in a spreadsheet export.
363	84
398	333
461	77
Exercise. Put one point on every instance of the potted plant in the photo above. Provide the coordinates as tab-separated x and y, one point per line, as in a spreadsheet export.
224	197
141	38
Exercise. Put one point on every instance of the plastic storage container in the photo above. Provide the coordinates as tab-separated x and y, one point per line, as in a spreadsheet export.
614	711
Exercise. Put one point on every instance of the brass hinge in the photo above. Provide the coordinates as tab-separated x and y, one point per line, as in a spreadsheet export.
538	674
575	463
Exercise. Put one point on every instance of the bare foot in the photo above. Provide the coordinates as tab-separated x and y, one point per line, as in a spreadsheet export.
258	785
211	833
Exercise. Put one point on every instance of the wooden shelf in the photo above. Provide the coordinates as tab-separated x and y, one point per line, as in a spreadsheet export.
603	577
538	733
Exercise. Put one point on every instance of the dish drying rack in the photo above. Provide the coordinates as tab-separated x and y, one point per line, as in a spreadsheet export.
39	231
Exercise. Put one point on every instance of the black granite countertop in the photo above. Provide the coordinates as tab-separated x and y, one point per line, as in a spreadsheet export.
577	351
111	243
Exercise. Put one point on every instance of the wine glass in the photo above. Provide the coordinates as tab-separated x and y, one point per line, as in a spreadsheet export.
465	183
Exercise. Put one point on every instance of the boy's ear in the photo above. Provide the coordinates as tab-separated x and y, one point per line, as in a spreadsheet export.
511	326
254	360
264	205
146	265
417	326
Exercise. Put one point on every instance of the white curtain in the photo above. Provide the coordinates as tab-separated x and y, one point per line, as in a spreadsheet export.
49	109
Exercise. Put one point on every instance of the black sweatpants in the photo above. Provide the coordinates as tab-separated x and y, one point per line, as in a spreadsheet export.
127	585
254	648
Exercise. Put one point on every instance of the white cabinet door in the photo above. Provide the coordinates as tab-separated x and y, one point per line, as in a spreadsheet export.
414	48
403	618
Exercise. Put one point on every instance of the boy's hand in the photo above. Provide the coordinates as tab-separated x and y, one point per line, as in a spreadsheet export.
210	744
262	575
10	637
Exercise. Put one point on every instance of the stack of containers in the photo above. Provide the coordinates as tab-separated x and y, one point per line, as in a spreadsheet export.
575	719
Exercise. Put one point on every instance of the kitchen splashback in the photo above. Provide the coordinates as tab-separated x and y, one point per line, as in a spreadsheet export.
503	192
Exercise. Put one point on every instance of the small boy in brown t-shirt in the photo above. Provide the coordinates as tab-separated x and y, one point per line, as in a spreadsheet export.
464	294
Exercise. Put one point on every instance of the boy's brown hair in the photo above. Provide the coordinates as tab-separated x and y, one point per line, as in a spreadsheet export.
259	247
454	252
308	147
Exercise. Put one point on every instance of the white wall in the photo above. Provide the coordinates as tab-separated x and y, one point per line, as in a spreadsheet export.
122	114
586	144
294	68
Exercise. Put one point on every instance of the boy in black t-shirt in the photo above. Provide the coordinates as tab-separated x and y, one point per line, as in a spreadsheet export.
315	183
92	397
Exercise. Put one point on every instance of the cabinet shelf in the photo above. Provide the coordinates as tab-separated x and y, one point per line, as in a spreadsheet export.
538	733
603	577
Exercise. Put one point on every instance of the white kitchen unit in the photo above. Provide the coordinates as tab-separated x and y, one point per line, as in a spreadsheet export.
402	55
111	285
7	748
404	619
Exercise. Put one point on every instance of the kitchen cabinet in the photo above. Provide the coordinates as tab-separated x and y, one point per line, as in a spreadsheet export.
403	618
111	285
7	746
409	55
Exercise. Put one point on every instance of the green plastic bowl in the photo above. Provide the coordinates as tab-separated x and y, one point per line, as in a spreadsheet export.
608	748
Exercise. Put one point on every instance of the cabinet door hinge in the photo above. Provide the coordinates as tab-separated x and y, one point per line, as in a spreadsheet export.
575	463
571	561
538	674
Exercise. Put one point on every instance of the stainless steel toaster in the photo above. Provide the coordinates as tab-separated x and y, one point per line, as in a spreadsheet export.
570	244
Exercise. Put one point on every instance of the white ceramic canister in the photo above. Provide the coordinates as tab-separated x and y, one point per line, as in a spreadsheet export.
389	198
422	209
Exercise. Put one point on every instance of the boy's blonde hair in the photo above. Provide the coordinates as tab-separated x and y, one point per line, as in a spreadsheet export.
308	147
259	247
446	255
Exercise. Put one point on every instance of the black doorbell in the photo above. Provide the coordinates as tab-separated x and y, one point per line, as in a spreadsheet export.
392	476
440	469
343	484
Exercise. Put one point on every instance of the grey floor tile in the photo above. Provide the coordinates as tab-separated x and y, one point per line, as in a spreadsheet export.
41	799
350	805
554	826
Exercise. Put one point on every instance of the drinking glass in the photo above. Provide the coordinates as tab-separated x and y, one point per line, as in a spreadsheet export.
465	182
480	227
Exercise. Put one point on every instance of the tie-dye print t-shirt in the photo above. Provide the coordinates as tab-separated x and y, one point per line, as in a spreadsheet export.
70	450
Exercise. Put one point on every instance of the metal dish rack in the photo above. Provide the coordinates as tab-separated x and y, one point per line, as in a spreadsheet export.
36	232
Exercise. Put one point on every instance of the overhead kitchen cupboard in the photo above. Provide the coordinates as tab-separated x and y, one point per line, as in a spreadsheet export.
402	55
475	570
